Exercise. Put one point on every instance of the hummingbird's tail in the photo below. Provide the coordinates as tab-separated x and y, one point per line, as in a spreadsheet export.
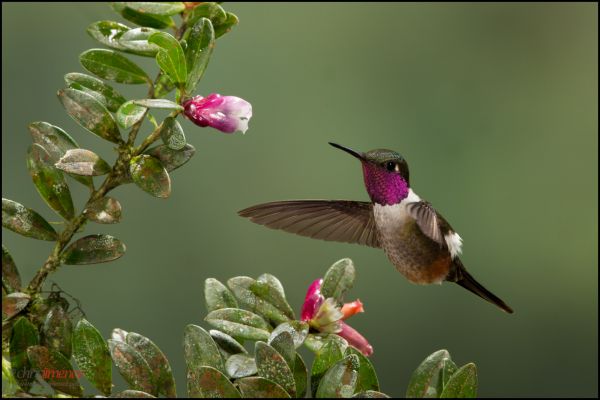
464	279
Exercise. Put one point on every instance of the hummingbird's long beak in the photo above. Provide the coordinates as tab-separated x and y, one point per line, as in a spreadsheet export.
360	156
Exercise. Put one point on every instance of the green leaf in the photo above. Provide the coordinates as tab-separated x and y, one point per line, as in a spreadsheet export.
315	342
23	335
132	394
273	293
330	353
241	286
208	382
57	331
340	380
240	366
119	334
55	369
226	26
284	344
272	281
272	365
228	346
298	330
148	173
108	33
172	159
136	41
200	45
142	19
89	84
447	369
367	378
130	114
217	295
370	394
158	103
83	162
462	384
200	349
158	363
13	304
26	222
90	114
56	142
338	279
93	249
172	134
132	366
49	182
110	65
260	388
170	57
424	381
11	279
300	376
163	85
239	323
92	355
105	210
210	10
157	8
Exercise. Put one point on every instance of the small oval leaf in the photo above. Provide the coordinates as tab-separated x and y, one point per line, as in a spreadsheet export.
340	380
315	342
130	114
170	57
217	296
226	343
172	134
49	182
142	19
57	331
284	344
132	366
107	33
240	366
424	380
11	279
55	369
271	365
136	41
148	173
83	162
200	45
330	353
208	382
105	210
367	378
92	355
462	384
89	84
93	249
159	103
213	11
298	330
157	8
23	335
13	304
239	323
110	65
300	376
172	159
226	26
261	388
159	365
200	349
274	295
338	279
241	288
90	114
26	222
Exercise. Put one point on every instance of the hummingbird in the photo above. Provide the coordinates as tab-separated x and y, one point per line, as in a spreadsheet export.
417	240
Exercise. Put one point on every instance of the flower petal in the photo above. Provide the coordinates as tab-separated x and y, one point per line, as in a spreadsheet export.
225	113
349	309
312	301
355	339
328	317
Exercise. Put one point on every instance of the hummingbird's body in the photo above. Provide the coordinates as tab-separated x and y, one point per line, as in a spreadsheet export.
416	239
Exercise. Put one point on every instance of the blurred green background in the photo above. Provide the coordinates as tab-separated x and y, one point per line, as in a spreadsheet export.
493	106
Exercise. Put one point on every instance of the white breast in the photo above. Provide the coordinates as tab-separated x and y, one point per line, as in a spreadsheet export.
390	218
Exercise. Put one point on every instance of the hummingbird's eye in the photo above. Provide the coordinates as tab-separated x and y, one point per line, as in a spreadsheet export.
391	166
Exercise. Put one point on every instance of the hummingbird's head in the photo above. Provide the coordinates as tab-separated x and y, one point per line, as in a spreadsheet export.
385	173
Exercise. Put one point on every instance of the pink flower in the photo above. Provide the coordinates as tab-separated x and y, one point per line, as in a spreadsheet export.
225	113
325	316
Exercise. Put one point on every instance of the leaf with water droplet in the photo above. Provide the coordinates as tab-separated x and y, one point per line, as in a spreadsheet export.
340	380
330	352
241	288
214	12
57	331
200	349
272	365
367	378
172	159
240	366
62	377
83	162
227	344
424	380
273	294
159	365
170	57
462	384
89	84
92	355
112	66
200	45
105	210
338	279
208	382
132	366
49	182
14	303
226	26
298	330
142	19
56	142
172	134
300	376
11	279
108	33
217	296
119	334
148	173
90	114
159	103
284	344
130	114
23	335
239	323
26	222
136	41
93	249
261	388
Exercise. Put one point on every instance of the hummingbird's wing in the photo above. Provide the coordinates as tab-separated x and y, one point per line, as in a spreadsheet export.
434	226
335	220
